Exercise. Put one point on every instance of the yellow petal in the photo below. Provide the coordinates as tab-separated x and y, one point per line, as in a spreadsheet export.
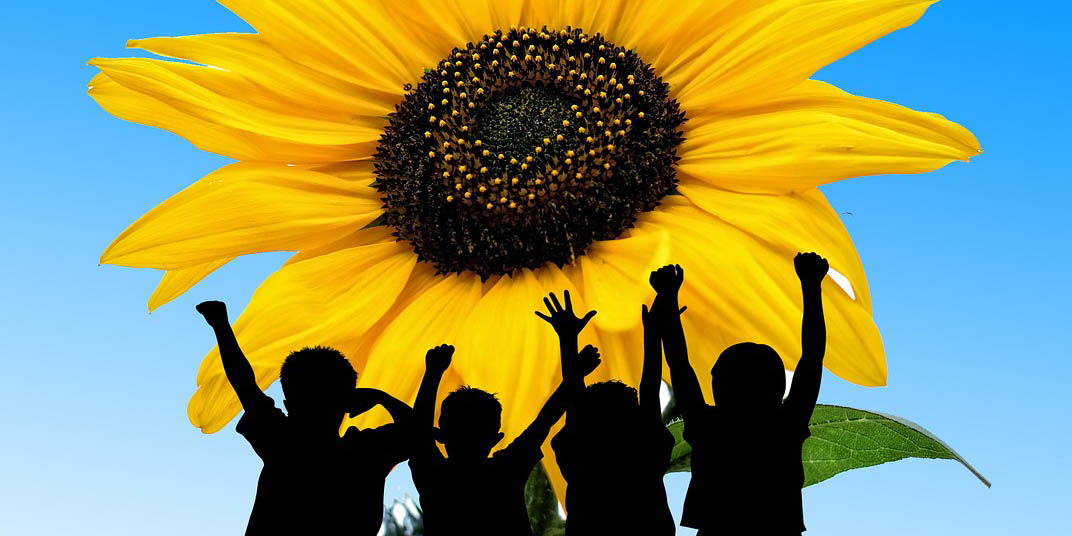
222	97
815	134
362	44
328	300
396	360
227	141
780	44
791	223
176	282
506	349
244	208
616	277
250	57
739	288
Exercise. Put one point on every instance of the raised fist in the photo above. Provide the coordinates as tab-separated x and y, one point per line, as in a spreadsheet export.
215	312
811	268
438	359
667	280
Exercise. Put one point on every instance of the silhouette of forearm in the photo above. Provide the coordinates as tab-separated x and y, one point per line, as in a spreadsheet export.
550	413
686	387
567	347
399	410
238	370
423	407
651	374
809	373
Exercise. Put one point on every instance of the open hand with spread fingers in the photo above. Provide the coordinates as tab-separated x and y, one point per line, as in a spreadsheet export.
565	322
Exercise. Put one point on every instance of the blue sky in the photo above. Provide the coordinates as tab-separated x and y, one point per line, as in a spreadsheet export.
967	267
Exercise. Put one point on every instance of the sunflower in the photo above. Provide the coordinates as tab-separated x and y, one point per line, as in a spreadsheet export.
438	167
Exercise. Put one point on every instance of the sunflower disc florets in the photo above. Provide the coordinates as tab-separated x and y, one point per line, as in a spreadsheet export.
524	148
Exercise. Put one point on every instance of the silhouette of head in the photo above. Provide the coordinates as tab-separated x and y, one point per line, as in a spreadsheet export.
608	405
317	383
748	376
469	422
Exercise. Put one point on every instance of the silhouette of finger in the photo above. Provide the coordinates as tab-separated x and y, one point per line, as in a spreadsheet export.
543	316
558	306
569	304
588	316
547	303
682	310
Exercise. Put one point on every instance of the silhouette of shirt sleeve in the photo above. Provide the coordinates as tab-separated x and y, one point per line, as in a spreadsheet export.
264	428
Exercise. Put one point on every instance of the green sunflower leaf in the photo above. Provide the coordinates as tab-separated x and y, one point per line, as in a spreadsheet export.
844	438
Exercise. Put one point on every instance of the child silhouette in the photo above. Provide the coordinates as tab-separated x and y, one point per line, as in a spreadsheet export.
614	450
746	467
467	492
313	481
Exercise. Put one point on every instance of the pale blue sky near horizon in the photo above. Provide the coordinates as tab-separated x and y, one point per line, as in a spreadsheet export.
967	267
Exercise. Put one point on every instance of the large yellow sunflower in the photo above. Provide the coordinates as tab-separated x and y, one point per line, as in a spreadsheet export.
440	166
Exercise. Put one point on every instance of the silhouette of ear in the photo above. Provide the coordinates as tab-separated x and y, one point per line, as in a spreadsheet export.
438	434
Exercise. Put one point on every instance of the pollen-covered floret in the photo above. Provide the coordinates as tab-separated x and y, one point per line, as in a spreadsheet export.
571	135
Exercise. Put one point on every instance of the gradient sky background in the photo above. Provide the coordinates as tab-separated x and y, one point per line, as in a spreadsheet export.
967	267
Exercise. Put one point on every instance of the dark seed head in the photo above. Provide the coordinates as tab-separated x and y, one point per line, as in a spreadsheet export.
525	148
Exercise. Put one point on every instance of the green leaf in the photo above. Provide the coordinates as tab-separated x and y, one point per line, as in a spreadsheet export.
542	505
844	438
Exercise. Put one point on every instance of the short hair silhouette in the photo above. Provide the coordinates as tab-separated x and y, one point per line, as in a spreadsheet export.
316	367
475	407
748	374
608	402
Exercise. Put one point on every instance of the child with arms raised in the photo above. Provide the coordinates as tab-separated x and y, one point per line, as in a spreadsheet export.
467	492
614	449
746	466
313	480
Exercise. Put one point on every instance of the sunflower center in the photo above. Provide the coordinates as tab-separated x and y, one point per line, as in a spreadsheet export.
524	148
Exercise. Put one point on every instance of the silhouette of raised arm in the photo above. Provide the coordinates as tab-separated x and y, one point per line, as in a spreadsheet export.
235	365
436	362
575	366
667	282
811	269
652	371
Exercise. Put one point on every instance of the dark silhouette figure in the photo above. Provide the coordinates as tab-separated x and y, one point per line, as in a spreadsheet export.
746	467
467	492
313	480
614	449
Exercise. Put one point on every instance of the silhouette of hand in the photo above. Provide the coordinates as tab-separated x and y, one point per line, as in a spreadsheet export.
667	280
566	323
583	364
811	268
438	359
215	312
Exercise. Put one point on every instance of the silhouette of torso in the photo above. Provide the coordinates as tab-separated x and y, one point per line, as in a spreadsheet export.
615	479
310	486
746	473
486	497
